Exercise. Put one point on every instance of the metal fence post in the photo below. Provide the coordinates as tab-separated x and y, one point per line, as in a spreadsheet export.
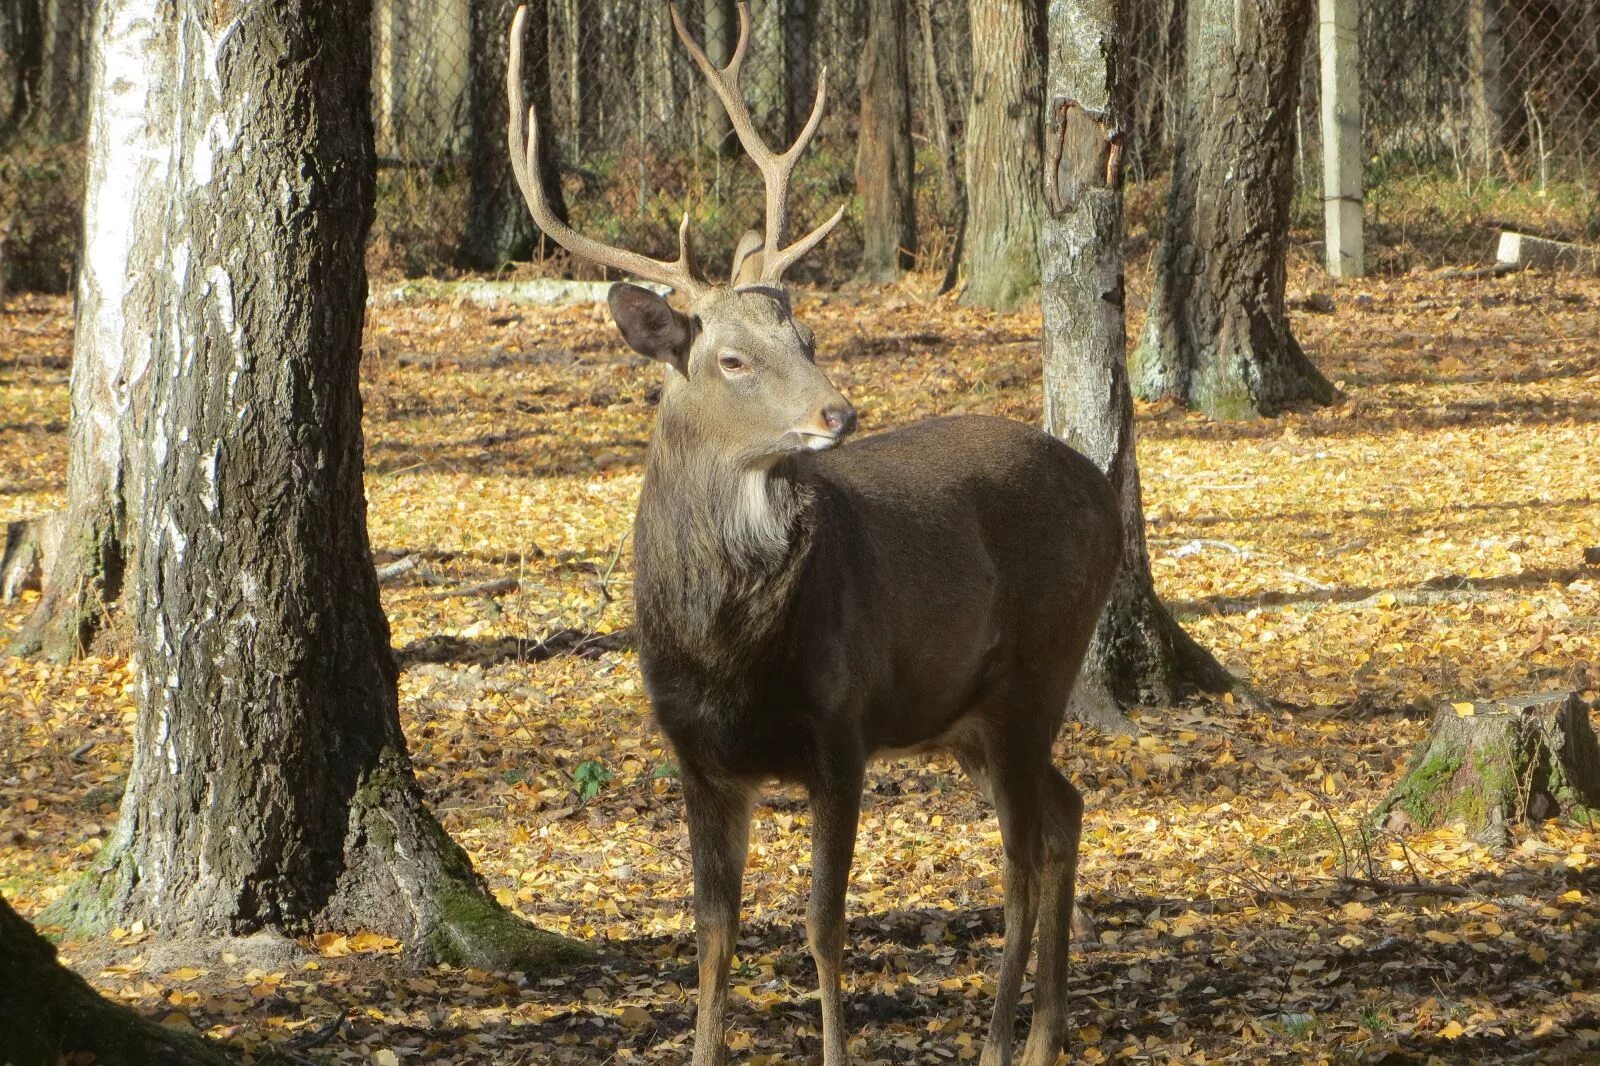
1341	137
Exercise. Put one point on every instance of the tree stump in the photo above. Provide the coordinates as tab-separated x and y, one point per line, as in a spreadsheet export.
26	552
1491	764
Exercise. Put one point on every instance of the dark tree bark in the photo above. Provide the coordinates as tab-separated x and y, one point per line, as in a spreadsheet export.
1139	654
800	32
22	48
499	228
270	786
1001	246
1217	336
124	211
884	157
49	1015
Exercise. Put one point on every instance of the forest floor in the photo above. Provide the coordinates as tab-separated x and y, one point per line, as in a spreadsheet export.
1420	542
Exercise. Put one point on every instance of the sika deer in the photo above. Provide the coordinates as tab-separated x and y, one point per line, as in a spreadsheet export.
803	608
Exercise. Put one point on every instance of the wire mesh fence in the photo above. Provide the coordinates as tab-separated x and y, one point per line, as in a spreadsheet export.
1477	112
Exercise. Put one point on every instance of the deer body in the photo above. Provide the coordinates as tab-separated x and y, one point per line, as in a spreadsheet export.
802	607
914	575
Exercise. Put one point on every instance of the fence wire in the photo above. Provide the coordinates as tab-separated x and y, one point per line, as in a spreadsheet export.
1476	113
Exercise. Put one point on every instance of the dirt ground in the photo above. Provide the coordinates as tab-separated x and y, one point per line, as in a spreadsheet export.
1420	542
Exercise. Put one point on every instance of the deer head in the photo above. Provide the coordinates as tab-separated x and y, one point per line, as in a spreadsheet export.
742	375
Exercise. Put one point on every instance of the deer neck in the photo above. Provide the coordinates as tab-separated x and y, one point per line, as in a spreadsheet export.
720	543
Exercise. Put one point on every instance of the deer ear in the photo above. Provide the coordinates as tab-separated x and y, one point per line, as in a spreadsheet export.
649	325
747	258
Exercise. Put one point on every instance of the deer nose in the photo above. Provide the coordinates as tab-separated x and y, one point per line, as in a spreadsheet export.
839	418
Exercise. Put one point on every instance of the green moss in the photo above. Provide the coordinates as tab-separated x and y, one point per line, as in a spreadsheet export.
474	930
1418	796
92	906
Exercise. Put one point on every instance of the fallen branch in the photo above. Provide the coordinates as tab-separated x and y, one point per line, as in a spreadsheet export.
397	569
498	587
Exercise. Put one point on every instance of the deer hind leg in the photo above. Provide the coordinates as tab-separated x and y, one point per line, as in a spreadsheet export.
1063	825
835	812
1015	784
719	839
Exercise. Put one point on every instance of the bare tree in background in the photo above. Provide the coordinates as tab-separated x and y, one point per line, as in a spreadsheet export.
1000	249
498	228
1217	336
270	787
884	158
1139	654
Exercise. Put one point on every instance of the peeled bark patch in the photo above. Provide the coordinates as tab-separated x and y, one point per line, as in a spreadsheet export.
1490	764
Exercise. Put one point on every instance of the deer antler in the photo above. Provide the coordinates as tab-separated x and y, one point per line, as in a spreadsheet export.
776	168
681	275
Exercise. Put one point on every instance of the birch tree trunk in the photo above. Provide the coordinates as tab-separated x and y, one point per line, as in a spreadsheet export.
884	159
48	1014
1217	336
499	228
124	212
1139	654
1000	250
270	786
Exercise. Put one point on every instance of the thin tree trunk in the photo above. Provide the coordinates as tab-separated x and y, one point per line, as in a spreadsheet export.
124	212
1001	247
1139	654
1217	336
768	61
499	228
937	120
884	157
799	31
48	1014
719	27
270	786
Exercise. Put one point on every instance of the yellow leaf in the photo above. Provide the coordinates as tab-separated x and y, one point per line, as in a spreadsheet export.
1465	710
1452	1030
634	1017
187	973
385	1057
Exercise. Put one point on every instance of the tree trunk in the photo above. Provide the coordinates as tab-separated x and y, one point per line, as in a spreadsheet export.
1217	336
49	1015
719	29
768	61
1139	654
270	785
499	228
883	150
799	31
1491	764
124	210
1001	246
937	120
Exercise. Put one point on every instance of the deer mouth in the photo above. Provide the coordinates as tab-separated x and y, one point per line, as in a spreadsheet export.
812	440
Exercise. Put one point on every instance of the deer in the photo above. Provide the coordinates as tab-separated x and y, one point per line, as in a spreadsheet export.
804	606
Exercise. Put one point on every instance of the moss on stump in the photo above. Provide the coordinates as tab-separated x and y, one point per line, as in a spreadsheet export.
1490	764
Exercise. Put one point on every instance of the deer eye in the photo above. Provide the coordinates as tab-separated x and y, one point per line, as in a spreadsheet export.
732	363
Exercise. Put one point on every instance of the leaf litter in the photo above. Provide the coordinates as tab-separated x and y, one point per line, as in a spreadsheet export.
1419	543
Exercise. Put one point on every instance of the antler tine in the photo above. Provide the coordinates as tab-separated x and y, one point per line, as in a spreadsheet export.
681	275
776	168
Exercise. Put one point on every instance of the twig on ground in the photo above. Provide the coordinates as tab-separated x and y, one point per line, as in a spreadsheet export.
498	587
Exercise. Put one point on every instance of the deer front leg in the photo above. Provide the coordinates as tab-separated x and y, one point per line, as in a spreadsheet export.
719	838
835	812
